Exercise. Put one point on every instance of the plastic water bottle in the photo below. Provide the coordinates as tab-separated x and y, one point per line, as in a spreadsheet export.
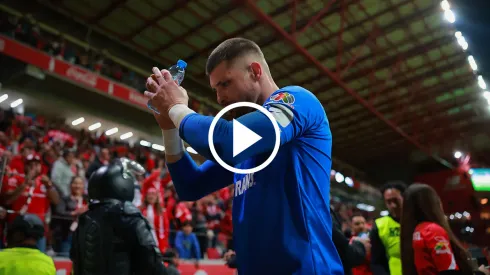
178	72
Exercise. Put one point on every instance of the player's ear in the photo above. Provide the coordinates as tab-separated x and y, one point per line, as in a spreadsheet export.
256	70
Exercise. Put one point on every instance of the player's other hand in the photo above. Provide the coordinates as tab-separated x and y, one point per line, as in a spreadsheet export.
366	242
230	258
228	255
164	92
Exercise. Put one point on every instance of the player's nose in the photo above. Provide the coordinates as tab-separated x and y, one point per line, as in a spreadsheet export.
221	99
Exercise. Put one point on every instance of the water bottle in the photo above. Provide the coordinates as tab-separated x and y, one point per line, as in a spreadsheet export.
177	71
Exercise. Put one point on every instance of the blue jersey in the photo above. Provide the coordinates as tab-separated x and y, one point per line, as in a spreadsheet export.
281	214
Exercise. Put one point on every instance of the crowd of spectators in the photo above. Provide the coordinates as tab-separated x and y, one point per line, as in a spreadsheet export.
27	30
46	174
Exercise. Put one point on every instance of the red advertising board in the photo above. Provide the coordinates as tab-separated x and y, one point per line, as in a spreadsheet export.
63	267
71	72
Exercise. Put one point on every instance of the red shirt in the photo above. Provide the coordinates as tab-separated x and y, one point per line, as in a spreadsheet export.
432	249
17	164
183	213
161	226
364	268
39	203
226	224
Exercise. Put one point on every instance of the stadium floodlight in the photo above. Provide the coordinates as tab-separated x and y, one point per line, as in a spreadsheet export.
481	82
445	5
3	97
458	154
449	15
349	182
145	143
158	147
339	177
486	94
78	121
126	135
472	62
366	207
111	131
461	41
16	103
94	126
191	150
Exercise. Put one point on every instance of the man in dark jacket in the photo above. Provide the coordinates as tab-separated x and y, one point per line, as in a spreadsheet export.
352	254
102	159
113	237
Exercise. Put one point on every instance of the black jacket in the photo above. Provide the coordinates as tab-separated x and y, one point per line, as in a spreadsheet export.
352	254
113	238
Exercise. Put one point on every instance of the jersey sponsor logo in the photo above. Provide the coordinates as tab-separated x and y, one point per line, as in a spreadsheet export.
442	245
284	97
244	184
394	231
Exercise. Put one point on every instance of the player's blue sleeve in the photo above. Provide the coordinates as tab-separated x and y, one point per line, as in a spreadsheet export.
193	182
295	109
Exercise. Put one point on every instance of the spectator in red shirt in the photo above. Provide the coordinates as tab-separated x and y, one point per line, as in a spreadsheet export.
359	231
157	217
428	245
31	193
226	225
17	162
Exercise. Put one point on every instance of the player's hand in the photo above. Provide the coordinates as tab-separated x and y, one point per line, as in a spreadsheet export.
228	255
164	93
162	119
366	242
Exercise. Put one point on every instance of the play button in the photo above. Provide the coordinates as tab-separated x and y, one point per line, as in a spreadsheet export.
244	138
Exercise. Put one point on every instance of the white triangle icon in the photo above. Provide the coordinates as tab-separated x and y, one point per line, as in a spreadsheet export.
242	138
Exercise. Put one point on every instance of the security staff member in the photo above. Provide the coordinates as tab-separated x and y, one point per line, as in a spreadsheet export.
113	237
22	255
385	234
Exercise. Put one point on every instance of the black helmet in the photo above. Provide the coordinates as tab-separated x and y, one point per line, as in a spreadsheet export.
115	181
28	224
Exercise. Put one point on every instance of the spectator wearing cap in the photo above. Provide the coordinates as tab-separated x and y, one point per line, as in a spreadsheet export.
186	243
62	172
30	193
22	256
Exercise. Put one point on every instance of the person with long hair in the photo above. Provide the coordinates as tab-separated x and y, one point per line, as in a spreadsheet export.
428	244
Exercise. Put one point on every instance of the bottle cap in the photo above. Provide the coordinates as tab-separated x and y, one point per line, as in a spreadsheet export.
182	64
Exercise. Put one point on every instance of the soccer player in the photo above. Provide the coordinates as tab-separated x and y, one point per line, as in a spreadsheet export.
281	214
